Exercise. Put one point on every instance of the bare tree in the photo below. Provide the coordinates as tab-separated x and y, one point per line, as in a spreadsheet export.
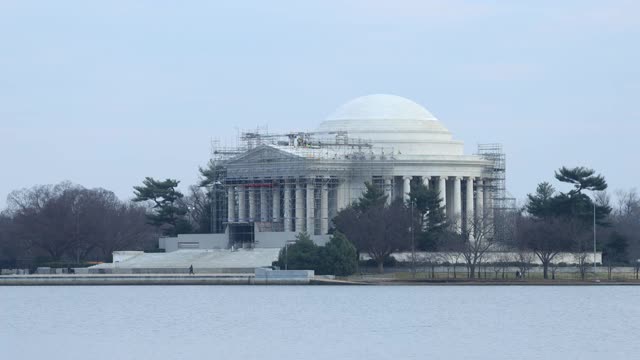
198	204
546	237
451	258
126	229
554	269
582	240
626	221
68	221
524	259
582	263
472	240
628	204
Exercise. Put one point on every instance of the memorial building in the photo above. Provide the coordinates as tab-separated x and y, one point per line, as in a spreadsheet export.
273	186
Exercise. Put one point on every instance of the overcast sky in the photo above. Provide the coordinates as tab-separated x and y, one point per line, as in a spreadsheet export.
106	93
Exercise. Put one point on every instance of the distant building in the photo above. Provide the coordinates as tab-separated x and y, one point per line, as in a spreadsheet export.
273	186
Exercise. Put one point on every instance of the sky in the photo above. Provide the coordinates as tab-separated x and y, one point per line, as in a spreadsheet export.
106	93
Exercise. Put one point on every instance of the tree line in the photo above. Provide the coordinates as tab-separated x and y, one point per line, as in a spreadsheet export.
67	223
71	224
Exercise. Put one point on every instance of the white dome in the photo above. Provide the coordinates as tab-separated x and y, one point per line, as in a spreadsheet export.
392	122
381	107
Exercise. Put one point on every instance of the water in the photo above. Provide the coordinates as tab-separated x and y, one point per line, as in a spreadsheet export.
319	322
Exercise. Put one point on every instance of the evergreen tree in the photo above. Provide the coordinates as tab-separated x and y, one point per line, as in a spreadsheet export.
168	213
338	257
582	179
615	250
561	221
211	174
540	204
575	203
211	178
431	217
372	197
302	255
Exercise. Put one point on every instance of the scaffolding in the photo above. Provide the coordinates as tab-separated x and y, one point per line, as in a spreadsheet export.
296	181
270	168
503	205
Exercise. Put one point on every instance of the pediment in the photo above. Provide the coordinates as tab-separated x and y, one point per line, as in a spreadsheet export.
262	154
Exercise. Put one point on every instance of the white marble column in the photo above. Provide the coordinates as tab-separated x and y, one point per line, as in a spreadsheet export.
264	204
287	207
300	206
324	208
311	213
406	187
341	195
231	204
252	204
275	199
442	188
486	195
488	210
469	204
425	181
242	204
457	201
387	189
479	198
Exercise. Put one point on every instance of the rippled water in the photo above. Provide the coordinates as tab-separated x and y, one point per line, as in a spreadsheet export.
320	322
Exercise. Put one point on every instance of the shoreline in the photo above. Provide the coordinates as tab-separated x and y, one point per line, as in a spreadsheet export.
250	279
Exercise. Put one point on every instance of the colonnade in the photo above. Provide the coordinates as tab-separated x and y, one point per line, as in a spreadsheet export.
303	204
452	197
291	204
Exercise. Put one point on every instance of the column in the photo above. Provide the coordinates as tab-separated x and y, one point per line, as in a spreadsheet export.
340	195
275	198
287	207
488	213
264	205
242	210
231	205
479	198
252	204
486	195
299	206
442	188
387	189
425	181
406	187
324	207
311	214
457	201
469	205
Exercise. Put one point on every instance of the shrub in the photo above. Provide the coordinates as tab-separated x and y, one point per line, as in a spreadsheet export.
302	255
338	257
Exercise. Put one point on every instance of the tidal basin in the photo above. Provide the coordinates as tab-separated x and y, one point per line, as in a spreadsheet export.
320	322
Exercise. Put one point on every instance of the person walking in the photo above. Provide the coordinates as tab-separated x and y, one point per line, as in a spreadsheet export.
191	270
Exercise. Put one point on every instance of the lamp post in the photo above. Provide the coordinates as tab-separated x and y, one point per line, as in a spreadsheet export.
594	236
286	253
413	246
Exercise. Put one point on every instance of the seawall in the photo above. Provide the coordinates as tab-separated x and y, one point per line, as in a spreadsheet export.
147	279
